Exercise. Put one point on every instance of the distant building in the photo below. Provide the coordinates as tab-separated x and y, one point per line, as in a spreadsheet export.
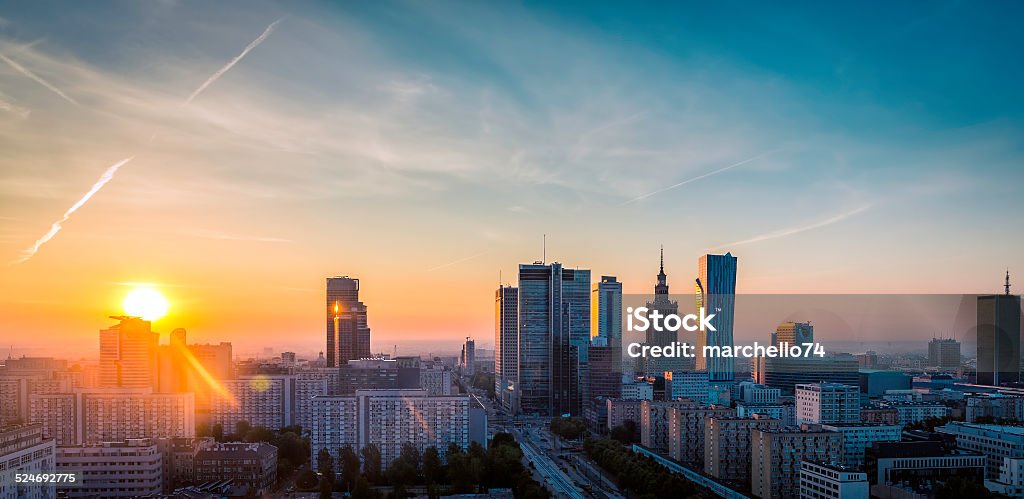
754	393
128	354
467	358
637	390
880	415
776	457
665	306
727	445
102	415
914	412
994	406
874	382
24	449
786	413
793	333
827	403
716	291
999	338
944	353
348	334
785	373
823	480
129	468
606	314
252	464
261	400
388	419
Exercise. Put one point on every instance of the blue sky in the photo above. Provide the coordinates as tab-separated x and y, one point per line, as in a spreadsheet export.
833	148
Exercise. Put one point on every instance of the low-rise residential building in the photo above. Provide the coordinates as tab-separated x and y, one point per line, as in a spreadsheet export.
25	449
857	437
252	464
819	480
130	468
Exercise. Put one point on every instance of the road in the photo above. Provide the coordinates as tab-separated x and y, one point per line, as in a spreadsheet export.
554	477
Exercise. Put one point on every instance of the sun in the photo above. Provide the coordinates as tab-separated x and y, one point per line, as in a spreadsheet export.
145	302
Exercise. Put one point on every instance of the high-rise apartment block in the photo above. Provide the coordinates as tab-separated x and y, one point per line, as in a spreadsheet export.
24	449
776	456
128	355
827	403
388	419
506	347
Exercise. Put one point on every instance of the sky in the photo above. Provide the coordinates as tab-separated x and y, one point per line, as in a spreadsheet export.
251	149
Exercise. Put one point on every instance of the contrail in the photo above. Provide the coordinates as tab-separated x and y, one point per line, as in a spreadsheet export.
694	179
460	260
220	72
796	230
23	70
55	228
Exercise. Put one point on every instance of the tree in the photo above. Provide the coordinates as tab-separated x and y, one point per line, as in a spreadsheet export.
568	428
349	467
325	465
433	469
956	487
217	432
626	432
258	434
411	455
241	429
371	463
362	489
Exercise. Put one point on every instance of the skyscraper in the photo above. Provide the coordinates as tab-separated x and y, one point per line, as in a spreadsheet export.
999	337
348	335
606	316
716	292
554	338
793	333
468	357
663	305
506	346
128	354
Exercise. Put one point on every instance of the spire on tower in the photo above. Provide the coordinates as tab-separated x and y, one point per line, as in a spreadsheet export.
1007	285
662	267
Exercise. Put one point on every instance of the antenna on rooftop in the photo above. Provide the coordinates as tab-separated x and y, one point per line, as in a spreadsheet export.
544	254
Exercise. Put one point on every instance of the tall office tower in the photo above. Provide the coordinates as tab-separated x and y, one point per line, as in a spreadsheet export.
944	353
818	403
506	347
606	311
793	333
128	355
999	337
656	366
554	338
775	456
716	292
348	335
468	357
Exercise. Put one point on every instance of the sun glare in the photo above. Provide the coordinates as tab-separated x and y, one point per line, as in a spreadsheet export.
145	302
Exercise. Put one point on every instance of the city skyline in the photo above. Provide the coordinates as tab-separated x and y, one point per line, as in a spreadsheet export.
236	190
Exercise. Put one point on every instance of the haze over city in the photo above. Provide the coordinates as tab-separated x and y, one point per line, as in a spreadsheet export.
270	147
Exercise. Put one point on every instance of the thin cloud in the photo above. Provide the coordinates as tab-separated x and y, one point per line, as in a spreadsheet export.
220	72
16	110
223	236
23	70
694	179
55	228
796	230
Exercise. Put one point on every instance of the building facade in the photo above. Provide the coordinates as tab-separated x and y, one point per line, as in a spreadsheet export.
128	468
25	449
716	293
776	457
818	403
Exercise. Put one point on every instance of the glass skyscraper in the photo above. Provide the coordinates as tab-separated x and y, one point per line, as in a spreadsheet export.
348	335
554	338
716	292
506	347
999	338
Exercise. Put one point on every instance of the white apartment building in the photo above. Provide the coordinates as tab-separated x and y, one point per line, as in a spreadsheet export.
25	449
436	381
130	468
113	415
832	481
818	403
994	441
388	419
